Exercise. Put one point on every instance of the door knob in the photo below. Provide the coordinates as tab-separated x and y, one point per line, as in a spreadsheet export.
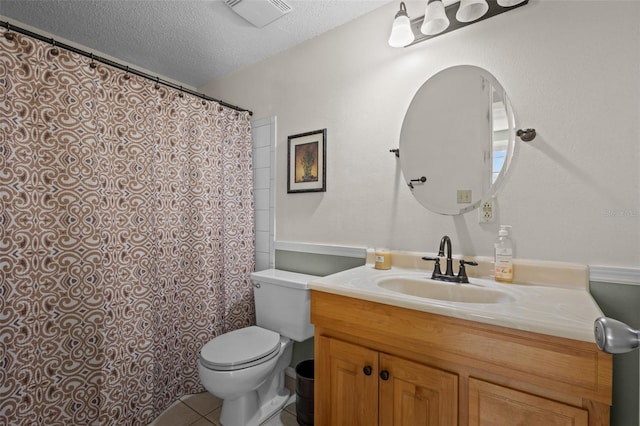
615	337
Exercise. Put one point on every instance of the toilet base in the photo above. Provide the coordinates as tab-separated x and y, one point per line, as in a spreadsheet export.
255	407
273	406
244	410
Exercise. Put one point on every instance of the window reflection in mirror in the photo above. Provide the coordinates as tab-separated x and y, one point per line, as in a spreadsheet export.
500	137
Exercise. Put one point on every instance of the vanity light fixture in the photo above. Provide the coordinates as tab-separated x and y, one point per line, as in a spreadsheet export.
440	19
401	33
509	3
471	10
435	18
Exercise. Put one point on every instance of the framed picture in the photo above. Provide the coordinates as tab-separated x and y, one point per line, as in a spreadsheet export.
307	162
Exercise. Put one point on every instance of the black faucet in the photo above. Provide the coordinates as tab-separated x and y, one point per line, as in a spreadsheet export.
448	274
446	241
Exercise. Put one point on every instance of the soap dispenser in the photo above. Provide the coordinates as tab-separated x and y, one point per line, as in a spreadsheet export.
503	256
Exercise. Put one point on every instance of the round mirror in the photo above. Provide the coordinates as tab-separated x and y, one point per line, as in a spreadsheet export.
457	140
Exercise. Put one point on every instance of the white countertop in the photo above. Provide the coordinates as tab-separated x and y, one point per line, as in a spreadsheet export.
552	310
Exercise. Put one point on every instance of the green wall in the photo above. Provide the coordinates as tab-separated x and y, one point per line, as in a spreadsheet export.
621	302
314	264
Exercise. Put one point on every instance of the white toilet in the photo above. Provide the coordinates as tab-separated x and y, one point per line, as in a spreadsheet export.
245	367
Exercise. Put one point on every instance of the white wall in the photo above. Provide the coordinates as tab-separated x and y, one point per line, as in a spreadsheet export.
572	70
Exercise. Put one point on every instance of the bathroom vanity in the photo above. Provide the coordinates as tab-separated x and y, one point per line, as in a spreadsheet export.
390	355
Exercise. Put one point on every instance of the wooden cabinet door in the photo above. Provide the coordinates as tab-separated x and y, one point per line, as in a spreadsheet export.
494	405
346	384
416	395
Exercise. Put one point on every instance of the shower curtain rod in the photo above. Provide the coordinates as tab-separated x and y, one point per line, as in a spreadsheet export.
113	64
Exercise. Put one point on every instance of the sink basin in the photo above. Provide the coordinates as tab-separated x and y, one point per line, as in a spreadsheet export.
431	289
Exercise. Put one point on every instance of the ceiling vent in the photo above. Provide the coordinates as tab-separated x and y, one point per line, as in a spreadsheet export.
259	12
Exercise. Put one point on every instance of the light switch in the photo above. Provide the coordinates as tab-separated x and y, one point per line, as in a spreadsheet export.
464	196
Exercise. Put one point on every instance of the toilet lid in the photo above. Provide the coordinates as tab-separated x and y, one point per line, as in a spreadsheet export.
240	348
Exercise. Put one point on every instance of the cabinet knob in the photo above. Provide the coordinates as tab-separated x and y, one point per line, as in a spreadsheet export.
384	375
367	370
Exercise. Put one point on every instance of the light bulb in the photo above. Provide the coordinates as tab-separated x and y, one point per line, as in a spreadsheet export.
470	10
509	3
401	33
435	18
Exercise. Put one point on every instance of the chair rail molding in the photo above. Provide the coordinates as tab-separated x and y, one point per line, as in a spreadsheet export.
614	274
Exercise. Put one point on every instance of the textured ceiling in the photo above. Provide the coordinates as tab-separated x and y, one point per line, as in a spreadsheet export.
192	42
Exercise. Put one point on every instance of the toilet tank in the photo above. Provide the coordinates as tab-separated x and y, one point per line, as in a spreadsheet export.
283	302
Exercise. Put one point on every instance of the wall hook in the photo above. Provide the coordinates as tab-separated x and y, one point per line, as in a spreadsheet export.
526	135
396	152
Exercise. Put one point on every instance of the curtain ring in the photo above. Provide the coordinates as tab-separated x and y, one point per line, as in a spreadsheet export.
157	86
181	94
54	50
127	76
92	64
8	34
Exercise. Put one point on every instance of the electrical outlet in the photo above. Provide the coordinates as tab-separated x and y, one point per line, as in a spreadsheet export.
485	212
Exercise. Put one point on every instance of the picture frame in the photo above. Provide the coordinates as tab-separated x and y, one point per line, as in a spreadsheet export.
307	162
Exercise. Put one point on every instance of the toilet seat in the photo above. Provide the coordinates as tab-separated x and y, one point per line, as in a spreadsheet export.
240	349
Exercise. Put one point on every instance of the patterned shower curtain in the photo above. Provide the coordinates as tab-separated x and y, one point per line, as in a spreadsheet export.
126	238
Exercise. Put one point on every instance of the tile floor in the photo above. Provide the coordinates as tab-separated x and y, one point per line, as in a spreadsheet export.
203	409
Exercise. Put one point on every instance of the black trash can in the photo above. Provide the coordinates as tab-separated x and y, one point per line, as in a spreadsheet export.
304	392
